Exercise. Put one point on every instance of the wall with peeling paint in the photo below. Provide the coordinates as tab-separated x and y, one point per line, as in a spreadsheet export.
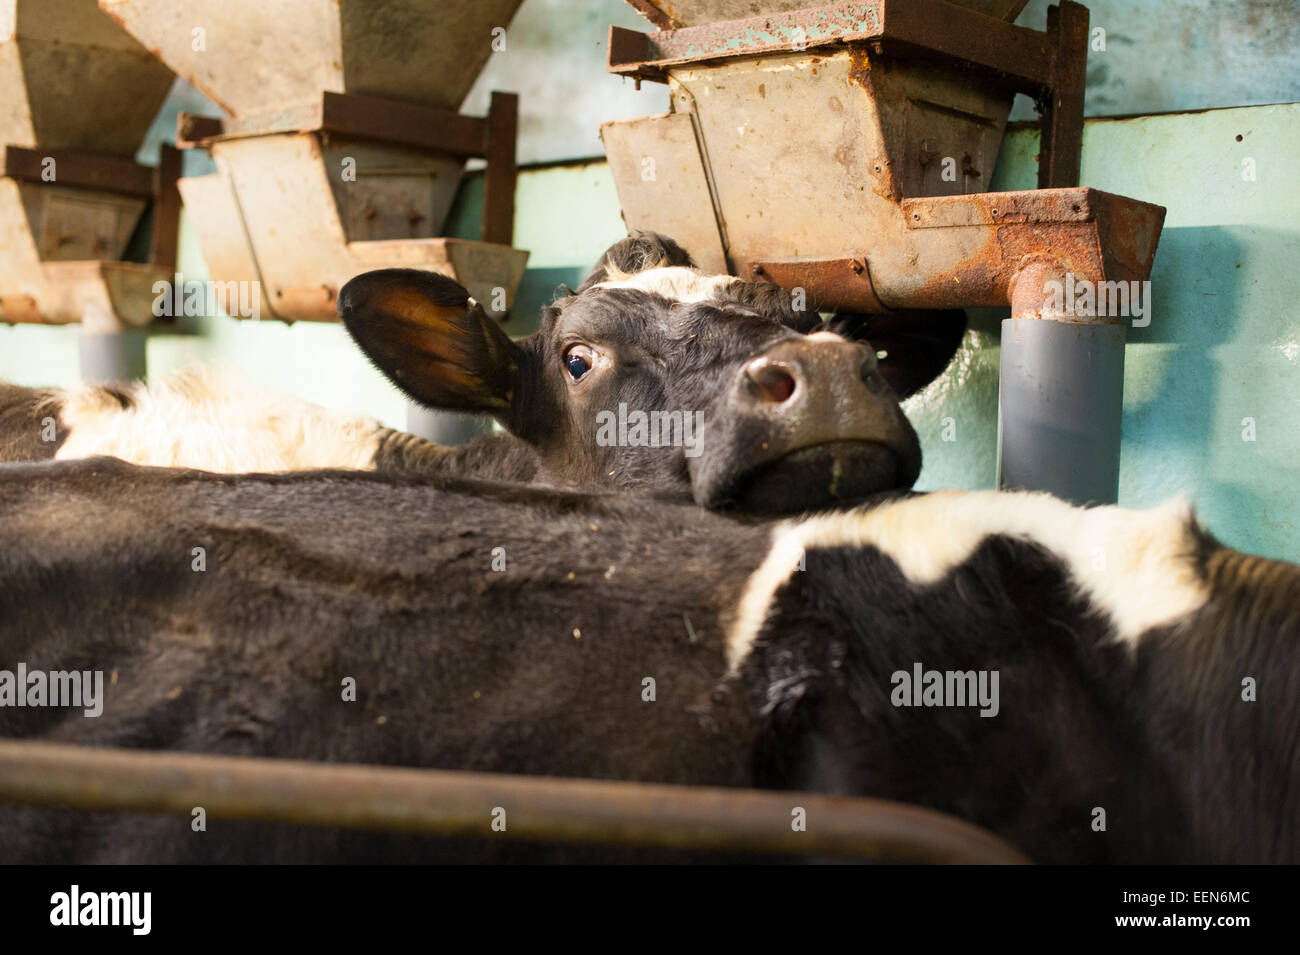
1160	56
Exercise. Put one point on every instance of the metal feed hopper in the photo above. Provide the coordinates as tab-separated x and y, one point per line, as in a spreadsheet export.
847	150
344	150
78	98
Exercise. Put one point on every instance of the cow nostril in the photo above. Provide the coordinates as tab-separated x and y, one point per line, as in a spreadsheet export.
771	384
868	371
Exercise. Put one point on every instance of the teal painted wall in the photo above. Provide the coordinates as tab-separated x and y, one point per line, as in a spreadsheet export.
1161	56
1222	352
1223	345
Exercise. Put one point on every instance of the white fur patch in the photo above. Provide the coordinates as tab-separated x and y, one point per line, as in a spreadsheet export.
1135	566
676	283
193	420
825	337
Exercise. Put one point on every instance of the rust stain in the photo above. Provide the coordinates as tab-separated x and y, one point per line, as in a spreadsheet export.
839	283
1097	236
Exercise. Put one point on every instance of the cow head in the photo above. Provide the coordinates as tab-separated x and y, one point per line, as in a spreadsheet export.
655	376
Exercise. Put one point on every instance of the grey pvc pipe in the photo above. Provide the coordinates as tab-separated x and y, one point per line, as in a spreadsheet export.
1060	406
444	427
112	356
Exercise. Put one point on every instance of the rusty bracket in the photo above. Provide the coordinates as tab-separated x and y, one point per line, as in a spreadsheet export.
632	53
1061	104
20	308
165	242
498	223
81	170
1004	208
348	114
313	303
846	282
1097	236
116	174
931	26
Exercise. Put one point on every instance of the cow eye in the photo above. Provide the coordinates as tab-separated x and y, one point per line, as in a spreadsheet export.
579	359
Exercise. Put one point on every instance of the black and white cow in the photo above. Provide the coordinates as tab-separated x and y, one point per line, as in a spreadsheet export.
740	399
1145	680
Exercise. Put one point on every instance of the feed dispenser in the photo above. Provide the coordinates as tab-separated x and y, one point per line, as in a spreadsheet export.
847	150
80	96
343	149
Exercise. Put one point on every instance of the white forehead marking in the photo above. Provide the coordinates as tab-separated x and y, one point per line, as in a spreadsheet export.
674	282
826	337
1135	566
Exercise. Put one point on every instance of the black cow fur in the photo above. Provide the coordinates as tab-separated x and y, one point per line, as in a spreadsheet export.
538	668
28	417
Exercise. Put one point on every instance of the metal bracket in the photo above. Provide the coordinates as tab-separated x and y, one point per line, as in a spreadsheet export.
845	281
115	174
375	118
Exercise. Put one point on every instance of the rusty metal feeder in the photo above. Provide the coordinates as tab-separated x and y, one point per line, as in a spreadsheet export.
344	149
80	97
847	150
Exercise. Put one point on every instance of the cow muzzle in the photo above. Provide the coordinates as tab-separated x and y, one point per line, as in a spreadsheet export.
808	424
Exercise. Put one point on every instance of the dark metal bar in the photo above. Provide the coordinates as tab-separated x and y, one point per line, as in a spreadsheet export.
927	27
1061	146
799	29
197	132
628	53
458	803
80	169
392	121
970	37
166	208
350	115
498	223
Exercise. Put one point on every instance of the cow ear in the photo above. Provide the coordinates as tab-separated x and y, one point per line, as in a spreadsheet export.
916	345
637	253
423	331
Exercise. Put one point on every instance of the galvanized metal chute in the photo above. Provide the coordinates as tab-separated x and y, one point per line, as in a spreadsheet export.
847	150
344	149
81	97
